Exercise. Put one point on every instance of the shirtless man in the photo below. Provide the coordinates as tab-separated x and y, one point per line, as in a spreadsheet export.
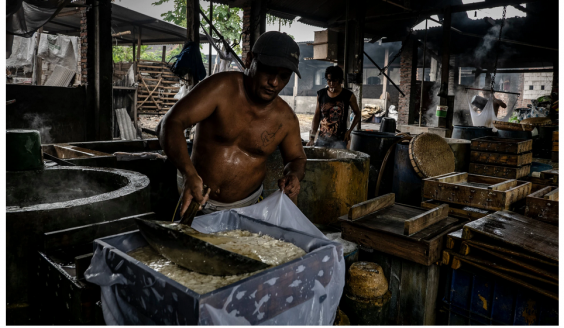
241	121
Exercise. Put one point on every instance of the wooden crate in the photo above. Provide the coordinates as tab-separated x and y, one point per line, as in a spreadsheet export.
501	158
550	174
500	171
385	230
543	205
479	191
502	145
458	211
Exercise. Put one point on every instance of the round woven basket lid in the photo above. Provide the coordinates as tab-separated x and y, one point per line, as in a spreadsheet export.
537	121
430	155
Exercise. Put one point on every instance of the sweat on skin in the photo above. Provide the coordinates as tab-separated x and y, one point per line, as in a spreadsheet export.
240	122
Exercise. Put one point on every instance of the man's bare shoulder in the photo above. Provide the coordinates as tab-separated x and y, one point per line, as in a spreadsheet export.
223	79
286	112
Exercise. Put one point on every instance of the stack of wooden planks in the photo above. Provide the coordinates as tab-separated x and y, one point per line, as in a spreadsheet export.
555	146
157	87
473	196
517	248
501	157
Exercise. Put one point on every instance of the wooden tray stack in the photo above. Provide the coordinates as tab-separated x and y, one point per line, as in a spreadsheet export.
501	157
543	205
473	196
157	87
555	146
517	248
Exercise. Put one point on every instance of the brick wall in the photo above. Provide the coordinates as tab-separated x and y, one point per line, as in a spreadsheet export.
83	47
246	43
408	72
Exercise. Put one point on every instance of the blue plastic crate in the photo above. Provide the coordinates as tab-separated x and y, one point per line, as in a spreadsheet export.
474	297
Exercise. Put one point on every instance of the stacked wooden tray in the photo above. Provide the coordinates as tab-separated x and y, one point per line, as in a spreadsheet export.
517	248
501	157
483	192
555	146
409	232
543	205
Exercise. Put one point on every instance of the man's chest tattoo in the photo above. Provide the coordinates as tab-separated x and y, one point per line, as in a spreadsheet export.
268	137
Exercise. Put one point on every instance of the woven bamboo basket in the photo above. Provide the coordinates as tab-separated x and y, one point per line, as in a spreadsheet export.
430	155
507	126
537	121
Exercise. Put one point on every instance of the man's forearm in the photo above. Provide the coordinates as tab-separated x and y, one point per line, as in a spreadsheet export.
314	126
169	138
296	167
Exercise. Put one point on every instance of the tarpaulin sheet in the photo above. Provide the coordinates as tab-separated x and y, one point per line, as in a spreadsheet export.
23	18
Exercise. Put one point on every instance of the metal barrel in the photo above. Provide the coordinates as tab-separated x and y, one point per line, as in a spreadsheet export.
516	134
406	183
471	132
388	124
544	147
461	150
23	150
375	144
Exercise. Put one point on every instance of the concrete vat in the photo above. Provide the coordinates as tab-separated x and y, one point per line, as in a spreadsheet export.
60	198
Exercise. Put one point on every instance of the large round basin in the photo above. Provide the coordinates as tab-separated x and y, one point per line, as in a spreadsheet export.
60	198
335	179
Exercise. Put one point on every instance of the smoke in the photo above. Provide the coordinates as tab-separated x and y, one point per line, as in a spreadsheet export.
485	53
430	116
38	122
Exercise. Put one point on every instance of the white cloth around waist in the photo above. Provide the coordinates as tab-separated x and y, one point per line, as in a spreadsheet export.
214	206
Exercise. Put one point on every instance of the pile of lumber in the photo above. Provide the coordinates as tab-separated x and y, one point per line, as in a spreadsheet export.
157	87
516	248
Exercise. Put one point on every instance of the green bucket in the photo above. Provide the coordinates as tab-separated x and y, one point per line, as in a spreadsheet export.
23	150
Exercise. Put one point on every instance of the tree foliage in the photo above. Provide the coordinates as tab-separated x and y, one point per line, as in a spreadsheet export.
228	21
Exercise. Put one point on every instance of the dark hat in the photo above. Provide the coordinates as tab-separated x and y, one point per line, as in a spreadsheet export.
279	50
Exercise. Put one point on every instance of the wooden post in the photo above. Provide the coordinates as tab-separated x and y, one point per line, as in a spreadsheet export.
385	79
139	45
133	50
38	62
210	45
99	59
354	50
164	54
258	20
445	64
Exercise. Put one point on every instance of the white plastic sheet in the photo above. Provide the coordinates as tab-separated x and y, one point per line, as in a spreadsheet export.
22	53
487	116
319	309
59	50
279	210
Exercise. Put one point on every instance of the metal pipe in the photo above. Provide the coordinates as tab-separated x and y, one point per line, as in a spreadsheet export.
489	90
222	39
386	75
423	75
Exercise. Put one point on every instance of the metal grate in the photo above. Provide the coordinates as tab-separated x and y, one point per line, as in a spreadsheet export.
61	77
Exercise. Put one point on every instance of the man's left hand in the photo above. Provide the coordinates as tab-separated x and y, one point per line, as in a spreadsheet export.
348	136
290	185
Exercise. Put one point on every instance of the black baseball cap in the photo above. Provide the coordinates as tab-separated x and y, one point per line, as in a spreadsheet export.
279	50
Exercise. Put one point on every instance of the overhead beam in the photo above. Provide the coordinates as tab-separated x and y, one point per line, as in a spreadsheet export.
440	11
150	28
297	13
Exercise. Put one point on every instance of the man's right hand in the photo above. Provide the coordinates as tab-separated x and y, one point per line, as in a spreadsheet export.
310	142
193	189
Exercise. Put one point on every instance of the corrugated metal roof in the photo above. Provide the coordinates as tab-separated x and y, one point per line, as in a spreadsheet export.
153	31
